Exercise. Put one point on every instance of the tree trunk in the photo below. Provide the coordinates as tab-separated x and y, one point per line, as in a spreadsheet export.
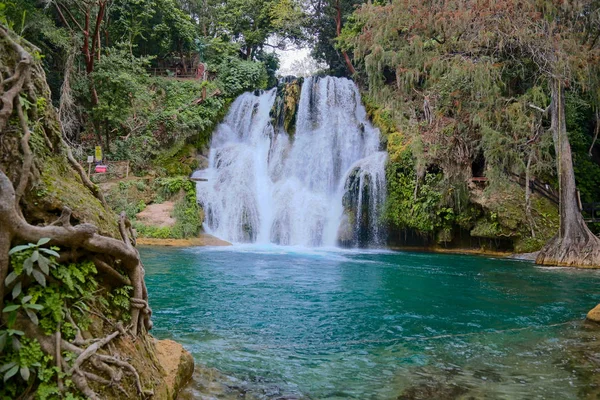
107	133
574	245
338	31
528	193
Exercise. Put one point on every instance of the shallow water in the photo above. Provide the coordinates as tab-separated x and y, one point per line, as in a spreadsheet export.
338	324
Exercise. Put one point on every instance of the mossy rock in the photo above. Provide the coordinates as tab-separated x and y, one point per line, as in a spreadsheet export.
60	187
180	159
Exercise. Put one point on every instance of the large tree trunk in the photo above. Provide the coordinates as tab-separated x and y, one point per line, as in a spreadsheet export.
574	245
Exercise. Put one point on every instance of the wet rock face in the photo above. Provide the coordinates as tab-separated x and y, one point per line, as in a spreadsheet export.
285	108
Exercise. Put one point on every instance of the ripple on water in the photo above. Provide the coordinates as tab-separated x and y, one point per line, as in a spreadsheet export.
330	323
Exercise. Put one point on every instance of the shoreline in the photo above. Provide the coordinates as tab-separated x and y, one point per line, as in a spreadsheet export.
466	251
209	240
203	240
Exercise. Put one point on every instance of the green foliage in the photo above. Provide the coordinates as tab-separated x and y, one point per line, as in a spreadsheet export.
119	302
120	80
403	210
153	232
580	125
252	22
52	296
128	196
187	213
238	76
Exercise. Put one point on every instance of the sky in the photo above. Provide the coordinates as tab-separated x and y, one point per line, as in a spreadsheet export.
288	57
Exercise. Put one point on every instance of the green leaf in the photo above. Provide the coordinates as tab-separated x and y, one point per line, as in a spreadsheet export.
37	307
10	278
43	241
10	321
26	299
15	332
3	337
35	256
11	308
32	316
8	366
16	344
11	372
28	265
39	277
17	249
43	262
16	290
50	252
24	373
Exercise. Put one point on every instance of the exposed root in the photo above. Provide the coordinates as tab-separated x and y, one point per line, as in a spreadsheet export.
87	353
27	155
110	273
17	80
58	358
584	252
95	378
125	365
65	218
81	383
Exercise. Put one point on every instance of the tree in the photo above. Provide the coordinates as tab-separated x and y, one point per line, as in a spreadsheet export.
327	20
84	19
253	23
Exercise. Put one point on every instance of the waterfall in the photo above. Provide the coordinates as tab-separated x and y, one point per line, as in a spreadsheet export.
321	185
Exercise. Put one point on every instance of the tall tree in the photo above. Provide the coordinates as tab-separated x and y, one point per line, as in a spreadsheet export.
85	18
327	19
252	23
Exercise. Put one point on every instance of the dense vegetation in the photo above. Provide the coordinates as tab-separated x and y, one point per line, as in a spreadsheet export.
484	89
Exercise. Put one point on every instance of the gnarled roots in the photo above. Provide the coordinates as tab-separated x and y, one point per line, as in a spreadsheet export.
80	242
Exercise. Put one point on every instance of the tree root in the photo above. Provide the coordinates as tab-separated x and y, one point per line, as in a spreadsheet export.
17	80
87	353
583	252
27	154
90	354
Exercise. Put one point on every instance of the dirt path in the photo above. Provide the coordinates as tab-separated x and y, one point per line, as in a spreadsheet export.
158	214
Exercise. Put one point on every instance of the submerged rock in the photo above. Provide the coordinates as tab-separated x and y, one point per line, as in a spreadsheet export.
594	314
434	390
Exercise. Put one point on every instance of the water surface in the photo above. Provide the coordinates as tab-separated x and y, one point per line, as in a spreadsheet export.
341	324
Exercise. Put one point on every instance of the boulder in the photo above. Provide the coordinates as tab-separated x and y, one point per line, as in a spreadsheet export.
178	365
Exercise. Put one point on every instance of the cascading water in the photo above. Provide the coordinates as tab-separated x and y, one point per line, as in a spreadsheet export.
322	185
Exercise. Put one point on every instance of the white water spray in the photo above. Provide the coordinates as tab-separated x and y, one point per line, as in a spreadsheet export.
313	188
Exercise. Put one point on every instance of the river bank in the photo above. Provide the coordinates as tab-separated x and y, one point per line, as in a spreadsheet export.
209	240
203	240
